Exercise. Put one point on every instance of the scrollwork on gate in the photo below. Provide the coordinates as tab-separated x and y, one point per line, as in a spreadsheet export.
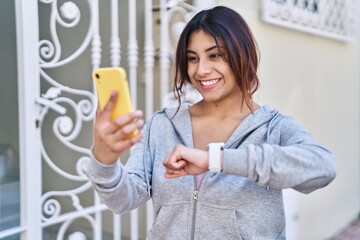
63	100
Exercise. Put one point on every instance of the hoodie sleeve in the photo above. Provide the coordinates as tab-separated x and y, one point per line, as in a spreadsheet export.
297	162
122	190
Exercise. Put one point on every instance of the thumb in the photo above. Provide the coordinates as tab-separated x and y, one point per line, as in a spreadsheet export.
107	111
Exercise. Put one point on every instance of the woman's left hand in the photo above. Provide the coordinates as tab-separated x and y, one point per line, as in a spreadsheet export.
185	161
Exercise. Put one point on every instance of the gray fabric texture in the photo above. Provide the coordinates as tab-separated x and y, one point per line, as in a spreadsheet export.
242	202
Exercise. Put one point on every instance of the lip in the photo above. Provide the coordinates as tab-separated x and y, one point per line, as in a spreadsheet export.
209	83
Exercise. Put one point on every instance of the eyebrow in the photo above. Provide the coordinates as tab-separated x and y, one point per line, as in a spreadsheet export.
206	50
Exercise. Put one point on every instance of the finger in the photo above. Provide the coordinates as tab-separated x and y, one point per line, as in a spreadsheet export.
116	133
107	111
98	111
170	176
127	118
126	144
175	164
137	138
174	174
179	164
175	159
119	123
126	130
122	120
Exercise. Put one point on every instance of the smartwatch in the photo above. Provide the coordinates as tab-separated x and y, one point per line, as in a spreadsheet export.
215	155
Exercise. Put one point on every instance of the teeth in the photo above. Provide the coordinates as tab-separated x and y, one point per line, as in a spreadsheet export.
209	83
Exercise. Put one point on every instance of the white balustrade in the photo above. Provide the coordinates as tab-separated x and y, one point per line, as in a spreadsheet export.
335	19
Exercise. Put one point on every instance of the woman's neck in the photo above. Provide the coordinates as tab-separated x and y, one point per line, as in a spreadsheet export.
224	109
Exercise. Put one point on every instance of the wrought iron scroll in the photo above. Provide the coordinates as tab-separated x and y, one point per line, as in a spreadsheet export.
67	128
75	107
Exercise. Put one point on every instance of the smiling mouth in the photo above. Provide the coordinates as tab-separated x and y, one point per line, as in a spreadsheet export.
208	83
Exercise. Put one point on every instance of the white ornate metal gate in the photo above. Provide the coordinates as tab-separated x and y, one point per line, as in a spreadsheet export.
57	105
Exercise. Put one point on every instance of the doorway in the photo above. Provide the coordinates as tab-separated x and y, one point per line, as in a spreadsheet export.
9	131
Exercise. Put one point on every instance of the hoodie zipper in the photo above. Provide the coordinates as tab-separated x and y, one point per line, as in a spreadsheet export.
196	191
195	200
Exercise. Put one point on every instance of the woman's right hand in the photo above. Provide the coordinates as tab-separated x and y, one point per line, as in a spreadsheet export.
109	137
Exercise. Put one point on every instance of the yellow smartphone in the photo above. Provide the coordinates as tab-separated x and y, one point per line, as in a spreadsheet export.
107	80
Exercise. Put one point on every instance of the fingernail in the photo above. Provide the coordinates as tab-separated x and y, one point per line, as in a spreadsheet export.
137	113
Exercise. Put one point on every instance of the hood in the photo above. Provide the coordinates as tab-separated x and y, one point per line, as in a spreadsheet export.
181	119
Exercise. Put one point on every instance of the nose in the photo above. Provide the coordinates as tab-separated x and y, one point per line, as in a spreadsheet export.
204	67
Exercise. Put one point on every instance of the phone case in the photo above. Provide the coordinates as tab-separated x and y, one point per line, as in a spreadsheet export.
109	79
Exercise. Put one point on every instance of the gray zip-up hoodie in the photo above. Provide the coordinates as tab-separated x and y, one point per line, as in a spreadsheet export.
266	153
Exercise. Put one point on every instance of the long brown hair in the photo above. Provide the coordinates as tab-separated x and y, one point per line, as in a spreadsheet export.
227	27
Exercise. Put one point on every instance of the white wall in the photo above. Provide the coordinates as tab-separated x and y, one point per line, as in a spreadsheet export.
316	80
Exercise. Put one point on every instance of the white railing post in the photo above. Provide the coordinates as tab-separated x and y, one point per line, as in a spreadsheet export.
164	52
27	35
133	63
149	61
133	52
96	61
115	57
115	47
96	40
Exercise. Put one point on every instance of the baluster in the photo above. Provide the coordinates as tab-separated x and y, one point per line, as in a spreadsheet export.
164	52
117	227
115	58
96	61
115	46
132	52
149	61
96	41
133	61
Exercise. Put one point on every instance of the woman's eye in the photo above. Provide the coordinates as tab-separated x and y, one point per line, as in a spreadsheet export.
215	56
192	59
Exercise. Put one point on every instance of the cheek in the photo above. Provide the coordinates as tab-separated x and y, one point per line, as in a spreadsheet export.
192	81
190	72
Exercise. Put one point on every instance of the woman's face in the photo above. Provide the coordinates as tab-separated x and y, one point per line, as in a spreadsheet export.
209	73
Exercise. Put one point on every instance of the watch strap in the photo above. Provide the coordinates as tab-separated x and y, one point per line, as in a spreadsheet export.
215	155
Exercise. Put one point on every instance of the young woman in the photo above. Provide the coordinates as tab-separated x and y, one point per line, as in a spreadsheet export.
214	169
